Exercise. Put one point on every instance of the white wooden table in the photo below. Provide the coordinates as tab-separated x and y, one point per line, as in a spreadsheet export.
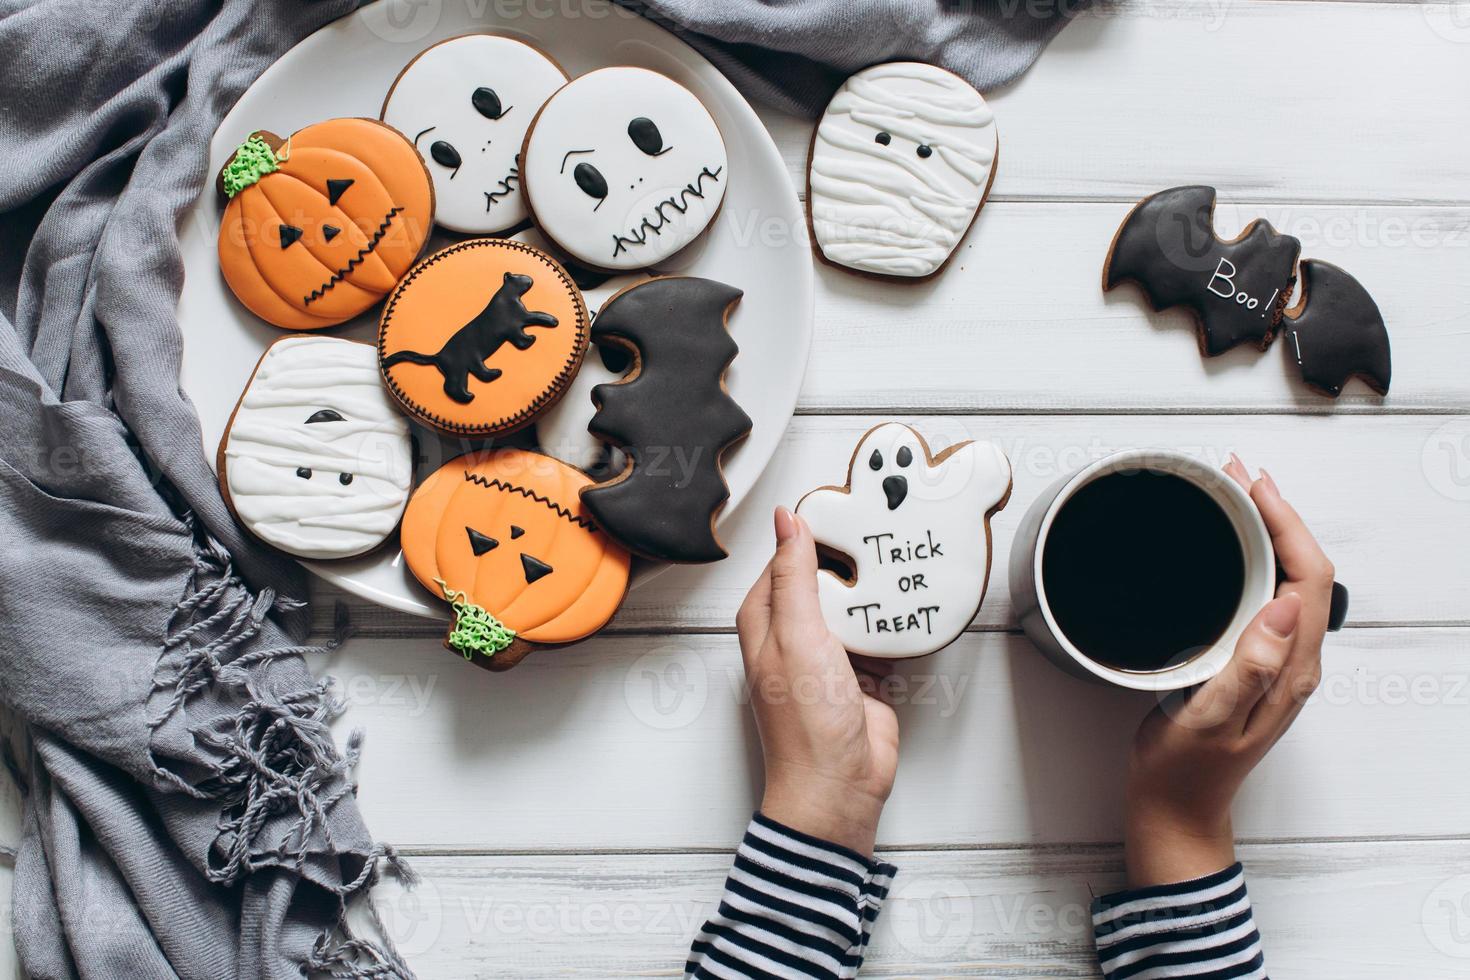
575	816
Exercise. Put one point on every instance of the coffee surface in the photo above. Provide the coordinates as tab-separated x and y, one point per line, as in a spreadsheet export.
1142	570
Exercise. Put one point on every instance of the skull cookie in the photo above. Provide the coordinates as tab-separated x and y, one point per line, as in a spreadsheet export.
624	167
915	531
466	104
316	460
900	166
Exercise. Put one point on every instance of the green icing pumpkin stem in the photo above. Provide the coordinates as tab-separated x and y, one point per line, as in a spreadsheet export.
251	161
475	630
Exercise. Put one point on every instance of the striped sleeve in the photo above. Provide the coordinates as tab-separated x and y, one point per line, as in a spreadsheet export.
794	906
1201	929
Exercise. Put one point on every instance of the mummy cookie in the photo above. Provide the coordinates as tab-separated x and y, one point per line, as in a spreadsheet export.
901	164
915	531
1335	332
672	417
501	536
482	336
316	460
623	168
1235	290
466	104
319	227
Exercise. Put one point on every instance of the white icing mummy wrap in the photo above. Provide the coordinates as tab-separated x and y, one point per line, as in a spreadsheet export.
317	461
902	159
917	535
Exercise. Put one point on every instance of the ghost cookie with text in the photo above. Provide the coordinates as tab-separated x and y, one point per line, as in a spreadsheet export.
320	226
316	459
466	104
623	168
502	537
901	163
482	336
913	532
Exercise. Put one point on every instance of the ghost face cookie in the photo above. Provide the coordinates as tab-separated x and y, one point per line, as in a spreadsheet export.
481	337
623	168
900	165
466	104
317	461
915	530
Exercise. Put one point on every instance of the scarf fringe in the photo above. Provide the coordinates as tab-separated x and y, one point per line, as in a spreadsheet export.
276	754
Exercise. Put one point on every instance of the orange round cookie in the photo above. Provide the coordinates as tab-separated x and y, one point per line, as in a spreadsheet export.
319	227
503	536
481	337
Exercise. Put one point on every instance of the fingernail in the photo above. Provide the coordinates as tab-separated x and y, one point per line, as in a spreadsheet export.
1270	483
785	525
1235	461
1281	615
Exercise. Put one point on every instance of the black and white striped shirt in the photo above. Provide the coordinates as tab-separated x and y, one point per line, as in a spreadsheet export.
796	907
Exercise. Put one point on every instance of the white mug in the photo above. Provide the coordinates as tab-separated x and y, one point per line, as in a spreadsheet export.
1029	594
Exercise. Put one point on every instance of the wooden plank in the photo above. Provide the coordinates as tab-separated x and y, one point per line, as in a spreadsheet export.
1387	496
1265	99
636	742
1350	911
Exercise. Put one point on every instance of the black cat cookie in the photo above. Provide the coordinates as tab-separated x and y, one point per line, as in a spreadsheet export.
481	337
671	417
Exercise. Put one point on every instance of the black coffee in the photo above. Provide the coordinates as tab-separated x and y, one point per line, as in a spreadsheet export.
1142	570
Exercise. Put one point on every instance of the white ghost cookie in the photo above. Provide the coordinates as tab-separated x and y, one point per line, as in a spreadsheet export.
623	168
901	163
915	530
317	461
466	104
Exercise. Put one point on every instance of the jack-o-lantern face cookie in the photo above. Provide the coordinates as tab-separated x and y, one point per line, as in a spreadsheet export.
482	336
624	167
319	227
502	536
915	531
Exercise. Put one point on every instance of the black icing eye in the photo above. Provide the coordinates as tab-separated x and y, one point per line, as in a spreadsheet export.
444	154
330	232
486	103
882	138
645	135
290	235
924	150
325	415
336	188
875	461
344	478
303	472
534	568
905	456
590	179
480	543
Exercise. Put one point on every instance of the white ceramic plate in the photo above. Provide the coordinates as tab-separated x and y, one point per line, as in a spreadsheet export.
757	243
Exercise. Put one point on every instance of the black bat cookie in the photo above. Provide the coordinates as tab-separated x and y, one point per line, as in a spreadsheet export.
1335	332
1235	289
672	418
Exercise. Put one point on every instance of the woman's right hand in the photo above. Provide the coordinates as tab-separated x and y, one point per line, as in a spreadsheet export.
1192	753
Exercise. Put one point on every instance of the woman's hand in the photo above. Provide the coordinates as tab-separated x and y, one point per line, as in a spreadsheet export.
1192	754
831	747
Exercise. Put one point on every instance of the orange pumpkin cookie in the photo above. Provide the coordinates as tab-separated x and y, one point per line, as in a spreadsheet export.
502	536
481	337
321	226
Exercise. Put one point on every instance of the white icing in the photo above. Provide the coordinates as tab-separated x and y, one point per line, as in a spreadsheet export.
269	439
883	208
655	205
922	599
561	430
433	101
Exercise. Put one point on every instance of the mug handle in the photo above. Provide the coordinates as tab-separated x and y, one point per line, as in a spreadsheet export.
1337	614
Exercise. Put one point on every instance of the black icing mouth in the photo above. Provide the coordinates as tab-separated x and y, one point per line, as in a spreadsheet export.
355	261
896	489
658	218
506	186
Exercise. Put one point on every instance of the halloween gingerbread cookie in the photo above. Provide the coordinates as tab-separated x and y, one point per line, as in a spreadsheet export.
320	226
316	460
671	417
482	336
466	104
901	163
502	536
1336	332
624	167
914	529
